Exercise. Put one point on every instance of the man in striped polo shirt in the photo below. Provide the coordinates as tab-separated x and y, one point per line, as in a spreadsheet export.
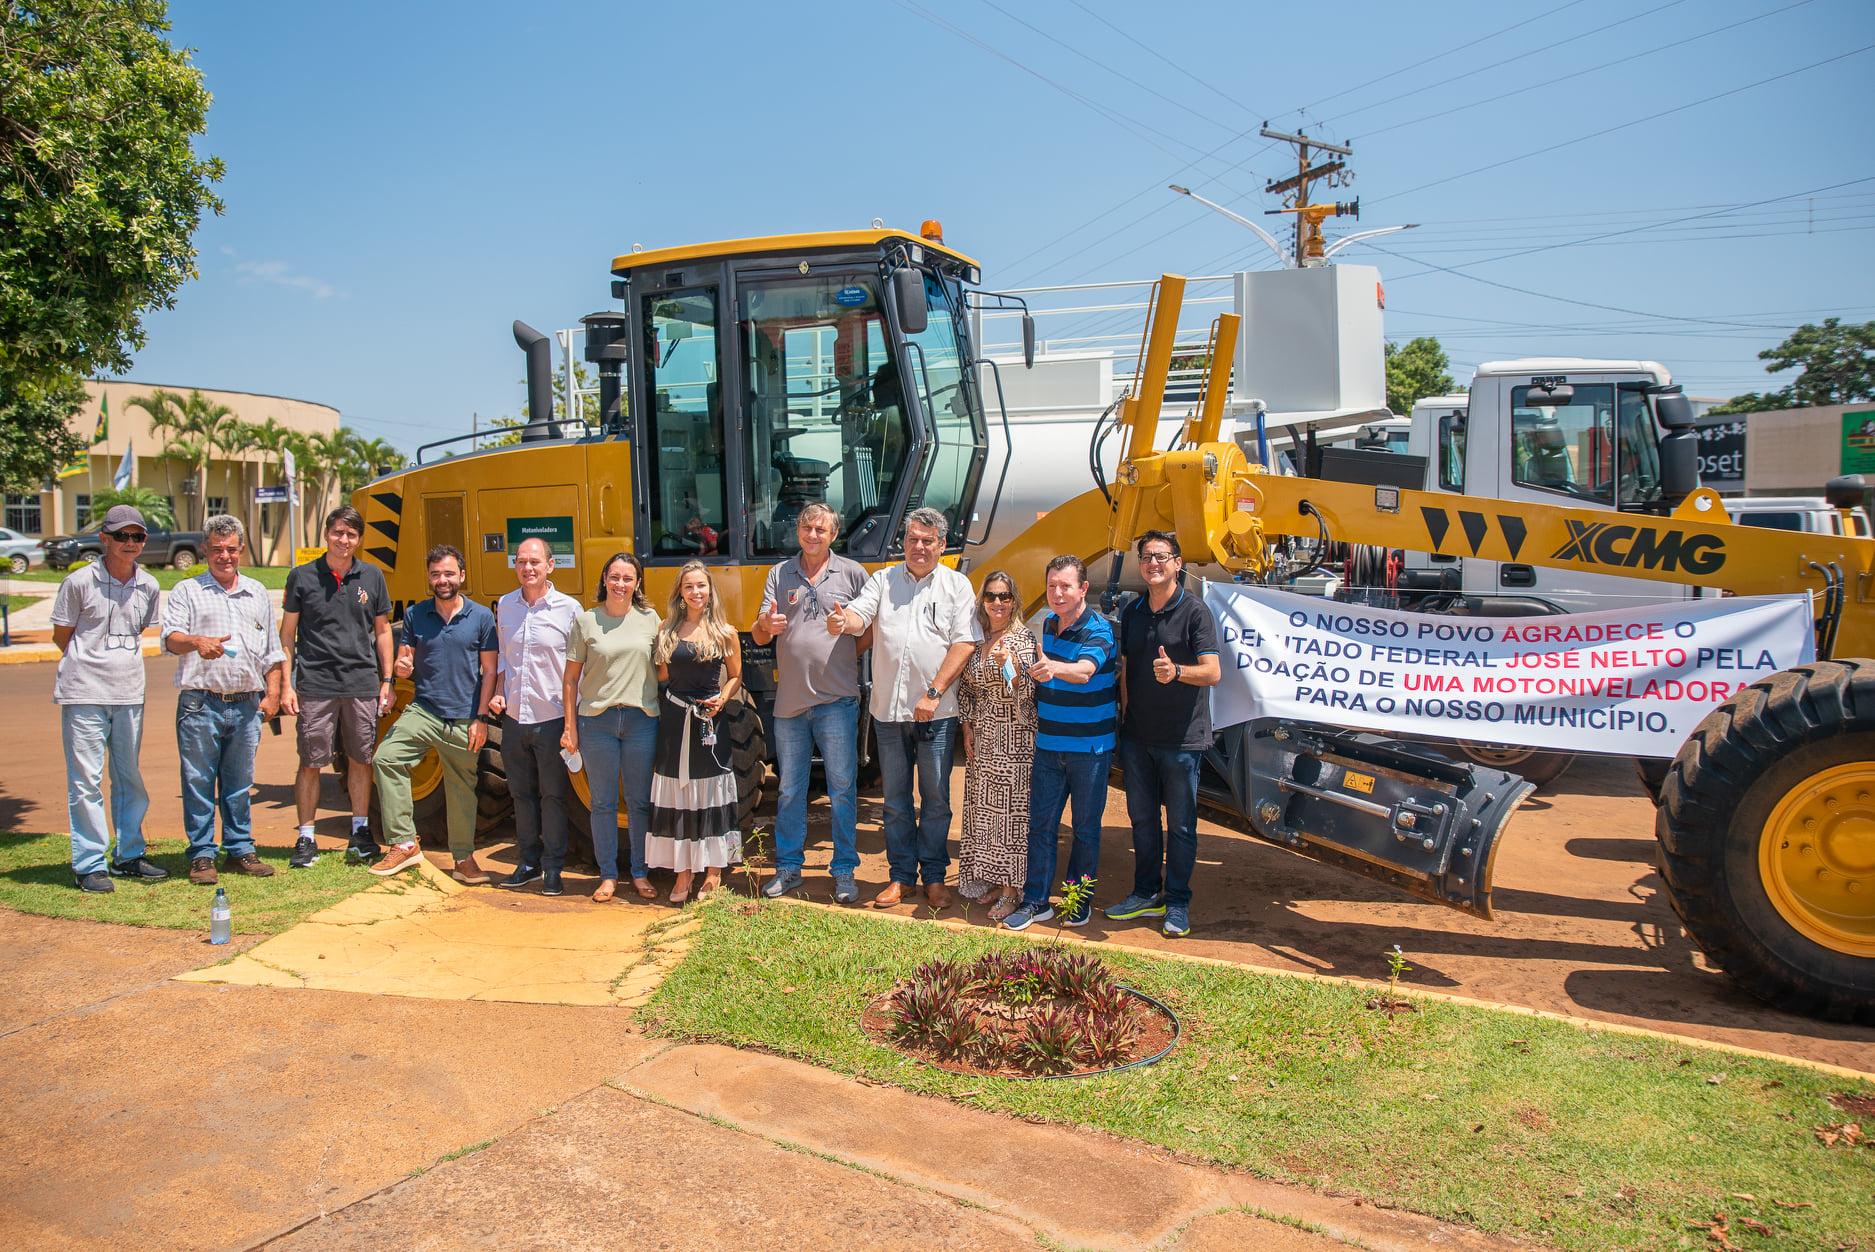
1077	717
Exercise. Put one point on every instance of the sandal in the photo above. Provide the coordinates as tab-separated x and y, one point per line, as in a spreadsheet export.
644	889
1004	906
604	892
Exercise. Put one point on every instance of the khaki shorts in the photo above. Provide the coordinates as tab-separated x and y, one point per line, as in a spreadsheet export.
323	722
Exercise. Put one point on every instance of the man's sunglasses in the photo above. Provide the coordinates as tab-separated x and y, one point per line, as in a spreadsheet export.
127	536
998	597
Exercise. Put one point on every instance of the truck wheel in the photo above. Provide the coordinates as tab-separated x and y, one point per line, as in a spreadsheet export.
1536	766
493	805
1653	774
748	756
182	558
1767	829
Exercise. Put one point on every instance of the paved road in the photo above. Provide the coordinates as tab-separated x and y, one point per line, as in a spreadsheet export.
1582	926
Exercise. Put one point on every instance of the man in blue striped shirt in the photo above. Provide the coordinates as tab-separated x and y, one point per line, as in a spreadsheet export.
1077	717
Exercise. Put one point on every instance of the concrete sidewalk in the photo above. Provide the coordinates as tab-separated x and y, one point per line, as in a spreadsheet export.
151	1112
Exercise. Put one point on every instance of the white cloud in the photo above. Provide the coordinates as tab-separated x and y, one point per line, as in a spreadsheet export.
280	274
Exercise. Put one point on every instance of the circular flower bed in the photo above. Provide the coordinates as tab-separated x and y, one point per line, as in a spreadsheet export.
1026	1014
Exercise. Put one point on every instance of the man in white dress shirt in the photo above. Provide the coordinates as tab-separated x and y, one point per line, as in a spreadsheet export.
533	624
924	620
228	681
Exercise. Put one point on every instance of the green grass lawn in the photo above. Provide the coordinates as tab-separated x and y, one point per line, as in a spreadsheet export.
36	877
15	603
272	577
1518	1125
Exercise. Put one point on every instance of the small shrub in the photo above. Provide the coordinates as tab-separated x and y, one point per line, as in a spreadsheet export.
920	1006
1056	1040
1074	976
1111	1036
1110	998
956	1030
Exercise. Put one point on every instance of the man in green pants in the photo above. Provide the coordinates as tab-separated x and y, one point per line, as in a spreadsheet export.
449	653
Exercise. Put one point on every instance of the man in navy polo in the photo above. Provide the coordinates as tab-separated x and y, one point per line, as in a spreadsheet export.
1077	713
449	653
1169	662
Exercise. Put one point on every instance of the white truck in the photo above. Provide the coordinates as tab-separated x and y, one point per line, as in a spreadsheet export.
1561	430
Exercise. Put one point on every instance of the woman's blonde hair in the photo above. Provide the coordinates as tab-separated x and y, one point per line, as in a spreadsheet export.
718	636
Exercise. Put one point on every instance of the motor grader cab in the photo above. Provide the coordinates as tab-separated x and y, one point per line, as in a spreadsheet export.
738	382
1766	818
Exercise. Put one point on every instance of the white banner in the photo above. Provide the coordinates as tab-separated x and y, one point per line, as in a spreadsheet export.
1631	681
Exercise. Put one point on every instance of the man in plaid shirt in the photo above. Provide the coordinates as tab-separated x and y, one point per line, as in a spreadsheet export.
221	624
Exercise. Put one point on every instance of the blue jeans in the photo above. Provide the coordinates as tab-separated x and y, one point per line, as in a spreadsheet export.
1057	778
916	833
621	741
1168	777
530	752
89	731
835	727
217	740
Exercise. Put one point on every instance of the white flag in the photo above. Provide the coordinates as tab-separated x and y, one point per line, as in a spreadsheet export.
121	479
292	478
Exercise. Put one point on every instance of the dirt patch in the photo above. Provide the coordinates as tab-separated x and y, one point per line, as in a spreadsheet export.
1155	1031
1856	1105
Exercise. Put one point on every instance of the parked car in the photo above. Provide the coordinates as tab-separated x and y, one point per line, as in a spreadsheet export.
20	552
178	548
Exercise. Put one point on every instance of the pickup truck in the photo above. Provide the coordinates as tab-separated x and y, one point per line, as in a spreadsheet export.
178	548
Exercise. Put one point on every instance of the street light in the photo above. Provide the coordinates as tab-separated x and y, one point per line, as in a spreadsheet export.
1282	255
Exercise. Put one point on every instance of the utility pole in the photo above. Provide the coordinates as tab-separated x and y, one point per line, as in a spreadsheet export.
1297	186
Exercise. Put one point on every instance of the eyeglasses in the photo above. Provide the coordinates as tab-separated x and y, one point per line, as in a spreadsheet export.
1156	558
998	597
127	536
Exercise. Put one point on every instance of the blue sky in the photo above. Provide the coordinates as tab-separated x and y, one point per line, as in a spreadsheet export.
405	179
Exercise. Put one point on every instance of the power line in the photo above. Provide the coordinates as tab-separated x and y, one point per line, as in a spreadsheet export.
1474	71
1609	130
1665	47
1438	56
1154	52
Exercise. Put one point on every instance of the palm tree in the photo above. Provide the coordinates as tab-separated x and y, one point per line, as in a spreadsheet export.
165	410
375	456
146	500
212	428
270	439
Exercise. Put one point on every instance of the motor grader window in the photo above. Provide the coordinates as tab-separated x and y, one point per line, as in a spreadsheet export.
953	408
826	417
1569	447
684	442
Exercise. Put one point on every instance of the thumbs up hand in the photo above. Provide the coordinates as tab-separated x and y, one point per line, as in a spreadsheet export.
836	620
775	619
1163	667
406	662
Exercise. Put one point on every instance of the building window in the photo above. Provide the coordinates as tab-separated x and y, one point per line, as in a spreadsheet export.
217	505
82	511
22	513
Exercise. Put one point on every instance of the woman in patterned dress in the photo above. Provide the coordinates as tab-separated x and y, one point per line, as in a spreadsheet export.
996	706
693	783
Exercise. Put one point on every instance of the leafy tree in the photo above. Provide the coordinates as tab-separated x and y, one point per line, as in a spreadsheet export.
100	193
1838	362
146	500
1755	402
1415	370
35	433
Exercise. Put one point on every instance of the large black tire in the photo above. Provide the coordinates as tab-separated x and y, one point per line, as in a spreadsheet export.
1533	765
748	748
1727	845
494	807
1652	771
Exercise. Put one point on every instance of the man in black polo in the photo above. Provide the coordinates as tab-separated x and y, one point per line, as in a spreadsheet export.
336	631
1168	662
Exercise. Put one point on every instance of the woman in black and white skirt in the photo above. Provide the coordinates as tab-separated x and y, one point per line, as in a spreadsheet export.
693	787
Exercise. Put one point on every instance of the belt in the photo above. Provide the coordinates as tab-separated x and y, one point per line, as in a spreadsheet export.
230	697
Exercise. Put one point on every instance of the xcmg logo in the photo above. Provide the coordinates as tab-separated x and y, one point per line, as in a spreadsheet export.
1605	543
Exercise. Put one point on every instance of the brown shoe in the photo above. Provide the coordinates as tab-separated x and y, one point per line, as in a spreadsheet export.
468	873
202	871
937	895
249	864
397	860
892	894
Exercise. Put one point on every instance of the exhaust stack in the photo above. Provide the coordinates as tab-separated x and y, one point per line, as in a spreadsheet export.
539	350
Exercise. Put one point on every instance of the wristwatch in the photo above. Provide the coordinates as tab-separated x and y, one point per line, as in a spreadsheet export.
1178	671
933	692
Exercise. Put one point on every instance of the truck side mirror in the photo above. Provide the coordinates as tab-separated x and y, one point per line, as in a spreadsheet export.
1028	342
1850	491
1679	464
1674	411
908	300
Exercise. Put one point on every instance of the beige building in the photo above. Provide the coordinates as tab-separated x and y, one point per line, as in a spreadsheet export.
1793	452
228	486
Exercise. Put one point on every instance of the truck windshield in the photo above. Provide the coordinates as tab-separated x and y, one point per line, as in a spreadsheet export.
952	406
1603	445
826	413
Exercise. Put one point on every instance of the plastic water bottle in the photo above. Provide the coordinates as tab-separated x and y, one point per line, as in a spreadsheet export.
575	761
220	918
